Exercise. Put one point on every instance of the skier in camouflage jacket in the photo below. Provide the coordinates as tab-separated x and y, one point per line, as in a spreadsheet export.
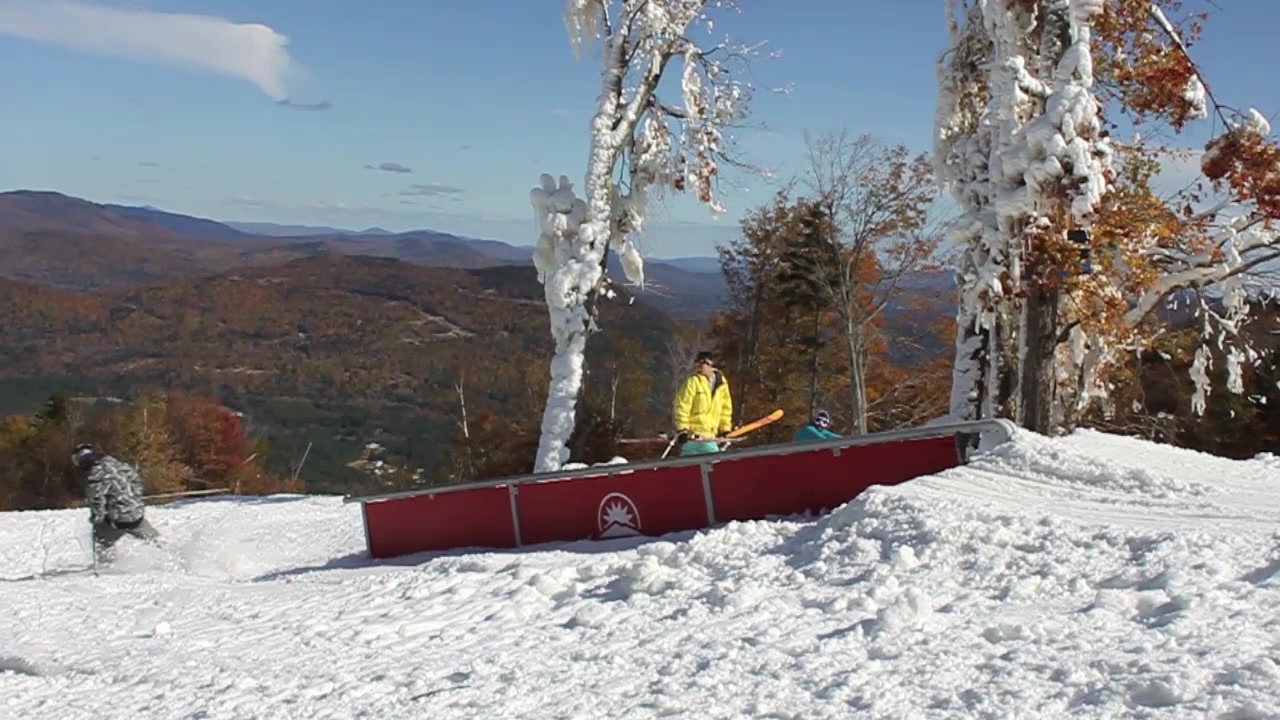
113	491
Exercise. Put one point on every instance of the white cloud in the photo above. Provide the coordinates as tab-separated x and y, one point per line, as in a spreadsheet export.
250	51
431	190
394	167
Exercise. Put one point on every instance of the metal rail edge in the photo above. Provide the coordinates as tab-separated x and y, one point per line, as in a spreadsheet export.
999	429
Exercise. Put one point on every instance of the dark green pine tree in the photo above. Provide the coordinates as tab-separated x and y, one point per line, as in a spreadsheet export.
56	411
807	279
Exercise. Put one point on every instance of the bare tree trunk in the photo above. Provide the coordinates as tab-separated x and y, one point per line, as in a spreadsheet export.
813	366
462	404
989	376
970	399
751	346
582	433
613	395
297	470
1002	391
857	381
1038	381
971	367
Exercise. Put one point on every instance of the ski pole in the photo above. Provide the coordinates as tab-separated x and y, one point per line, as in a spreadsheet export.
669	446
188	493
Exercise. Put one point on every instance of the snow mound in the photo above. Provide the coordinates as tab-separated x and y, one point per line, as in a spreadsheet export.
1038	457
1090	576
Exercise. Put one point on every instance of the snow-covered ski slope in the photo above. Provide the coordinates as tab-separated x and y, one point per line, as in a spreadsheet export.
1089	576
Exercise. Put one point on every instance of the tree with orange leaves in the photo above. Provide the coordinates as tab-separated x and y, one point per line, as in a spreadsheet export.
812	276
1069	252
870	231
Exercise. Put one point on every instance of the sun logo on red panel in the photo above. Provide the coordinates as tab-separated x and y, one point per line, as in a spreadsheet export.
618	516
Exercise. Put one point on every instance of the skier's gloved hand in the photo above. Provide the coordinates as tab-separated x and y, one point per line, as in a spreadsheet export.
682	436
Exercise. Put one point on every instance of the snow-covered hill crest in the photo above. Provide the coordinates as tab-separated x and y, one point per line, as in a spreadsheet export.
1086	576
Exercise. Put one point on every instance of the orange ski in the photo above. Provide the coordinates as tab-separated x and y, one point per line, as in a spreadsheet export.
754	424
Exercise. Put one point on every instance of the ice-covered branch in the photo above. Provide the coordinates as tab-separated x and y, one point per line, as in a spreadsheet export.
658	148
585	20
559	213
1197	91
1238	249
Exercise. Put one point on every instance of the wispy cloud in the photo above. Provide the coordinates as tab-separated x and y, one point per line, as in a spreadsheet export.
390	167
250	51
430	190
250	201
322	105
149	163
265	203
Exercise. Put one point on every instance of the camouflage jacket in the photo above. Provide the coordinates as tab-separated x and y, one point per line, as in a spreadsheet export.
114	493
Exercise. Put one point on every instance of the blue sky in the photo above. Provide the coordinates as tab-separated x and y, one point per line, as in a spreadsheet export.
476	97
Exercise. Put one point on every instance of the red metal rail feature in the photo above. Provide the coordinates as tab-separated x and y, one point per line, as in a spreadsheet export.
659	497
757	487
654	501
477	518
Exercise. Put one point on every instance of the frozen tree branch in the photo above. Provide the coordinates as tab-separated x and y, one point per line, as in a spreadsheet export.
660	146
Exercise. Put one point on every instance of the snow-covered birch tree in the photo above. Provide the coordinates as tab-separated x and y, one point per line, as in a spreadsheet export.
641	144
1068	250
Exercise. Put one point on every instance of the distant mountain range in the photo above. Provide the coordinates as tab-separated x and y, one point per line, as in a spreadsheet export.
278	230
40	230
236	230
505	251
63	241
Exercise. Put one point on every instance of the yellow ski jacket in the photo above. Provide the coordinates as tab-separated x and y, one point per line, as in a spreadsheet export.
699	410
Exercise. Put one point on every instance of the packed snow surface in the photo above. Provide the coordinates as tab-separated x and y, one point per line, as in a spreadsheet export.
1089	576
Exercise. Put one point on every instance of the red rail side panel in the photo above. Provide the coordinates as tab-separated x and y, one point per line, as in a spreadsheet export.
756	487
468	518
646	502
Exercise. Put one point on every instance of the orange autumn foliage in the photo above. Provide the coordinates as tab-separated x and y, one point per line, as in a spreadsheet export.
178	443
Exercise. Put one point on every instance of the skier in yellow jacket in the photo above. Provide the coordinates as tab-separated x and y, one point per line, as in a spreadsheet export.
703	408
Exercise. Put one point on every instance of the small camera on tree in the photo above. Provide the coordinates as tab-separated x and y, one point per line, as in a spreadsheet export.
1080	237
